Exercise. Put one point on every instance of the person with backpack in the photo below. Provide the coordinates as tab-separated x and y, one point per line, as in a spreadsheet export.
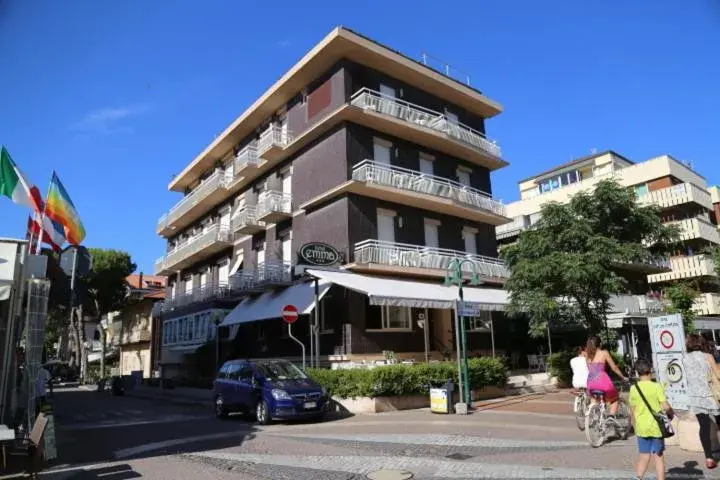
647	399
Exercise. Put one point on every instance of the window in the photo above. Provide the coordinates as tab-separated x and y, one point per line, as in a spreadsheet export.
188	285
452	117
203	279
387	91
381	151
286	178
224	371
385	225
470	237
426	164
287	249
481	322
389	318
641	190
223	273
233	372
431	233
260	255
463	176
324	327
246	374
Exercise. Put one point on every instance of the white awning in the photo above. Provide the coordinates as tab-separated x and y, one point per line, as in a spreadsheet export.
406	293
270	304
707	323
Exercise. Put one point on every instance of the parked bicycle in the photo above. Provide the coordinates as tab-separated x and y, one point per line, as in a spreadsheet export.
580	407
599	426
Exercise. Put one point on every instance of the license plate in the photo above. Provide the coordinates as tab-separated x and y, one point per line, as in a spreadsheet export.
309	405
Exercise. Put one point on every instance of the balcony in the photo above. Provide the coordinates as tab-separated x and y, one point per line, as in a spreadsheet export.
400	185
135	336
246	160
686	267
697	228
246	222
636	304
211	241
202	294
414	123
707	304
274	206
193	205
272	142
267	275
678	195
399	258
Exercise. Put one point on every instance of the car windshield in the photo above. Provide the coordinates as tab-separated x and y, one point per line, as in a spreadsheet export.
280	370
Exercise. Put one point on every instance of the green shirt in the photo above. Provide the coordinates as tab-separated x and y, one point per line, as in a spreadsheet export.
645	423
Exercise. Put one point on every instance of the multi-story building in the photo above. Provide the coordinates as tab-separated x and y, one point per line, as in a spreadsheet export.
682	194
362	148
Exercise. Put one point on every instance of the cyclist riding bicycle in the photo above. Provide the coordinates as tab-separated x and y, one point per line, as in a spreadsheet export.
598	379
579	368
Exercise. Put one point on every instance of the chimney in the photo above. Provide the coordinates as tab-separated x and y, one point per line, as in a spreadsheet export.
140	281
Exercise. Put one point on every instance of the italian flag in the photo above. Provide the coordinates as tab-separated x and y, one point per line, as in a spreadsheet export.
14	184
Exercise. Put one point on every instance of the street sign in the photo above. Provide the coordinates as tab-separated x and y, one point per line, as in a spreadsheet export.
84	261
319	254
289	314
469	309
667	339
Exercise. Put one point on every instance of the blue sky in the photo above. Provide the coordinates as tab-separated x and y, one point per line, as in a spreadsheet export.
119	96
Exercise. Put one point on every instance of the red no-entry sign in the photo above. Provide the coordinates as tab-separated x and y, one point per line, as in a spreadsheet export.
289	314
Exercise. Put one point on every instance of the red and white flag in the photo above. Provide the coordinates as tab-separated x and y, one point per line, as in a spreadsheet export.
53	233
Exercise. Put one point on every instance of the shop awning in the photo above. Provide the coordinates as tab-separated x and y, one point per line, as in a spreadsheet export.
707	323
270	304
406	293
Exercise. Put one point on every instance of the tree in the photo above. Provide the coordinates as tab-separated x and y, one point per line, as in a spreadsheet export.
682	297
567	267
107	290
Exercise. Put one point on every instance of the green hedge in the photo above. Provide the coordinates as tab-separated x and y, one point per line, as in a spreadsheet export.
559	366
396	380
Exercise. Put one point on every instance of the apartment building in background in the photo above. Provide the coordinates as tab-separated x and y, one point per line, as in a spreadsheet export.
685	200
377	156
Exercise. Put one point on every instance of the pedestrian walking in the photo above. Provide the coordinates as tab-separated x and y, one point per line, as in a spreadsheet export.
646	399
698	366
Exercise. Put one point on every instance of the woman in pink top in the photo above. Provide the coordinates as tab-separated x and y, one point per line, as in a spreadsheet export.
598	379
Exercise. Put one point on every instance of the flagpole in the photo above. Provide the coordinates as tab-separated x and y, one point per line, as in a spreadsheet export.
38	247
32	231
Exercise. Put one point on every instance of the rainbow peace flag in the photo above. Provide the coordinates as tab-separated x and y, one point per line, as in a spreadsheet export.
60	208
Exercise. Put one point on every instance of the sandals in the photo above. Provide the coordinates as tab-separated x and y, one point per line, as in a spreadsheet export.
710	463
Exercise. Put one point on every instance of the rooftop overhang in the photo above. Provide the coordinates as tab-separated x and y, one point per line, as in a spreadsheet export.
340	44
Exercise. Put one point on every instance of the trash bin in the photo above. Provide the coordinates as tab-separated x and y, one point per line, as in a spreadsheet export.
441	398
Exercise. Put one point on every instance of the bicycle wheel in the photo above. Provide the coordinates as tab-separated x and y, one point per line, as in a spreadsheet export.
622	421
580	409
595	425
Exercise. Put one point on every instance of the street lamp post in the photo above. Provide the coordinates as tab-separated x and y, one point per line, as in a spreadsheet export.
454	276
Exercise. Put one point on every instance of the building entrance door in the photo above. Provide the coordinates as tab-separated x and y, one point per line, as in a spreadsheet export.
441	331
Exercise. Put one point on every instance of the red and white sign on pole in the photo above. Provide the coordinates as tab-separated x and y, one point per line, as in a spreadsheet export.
290	314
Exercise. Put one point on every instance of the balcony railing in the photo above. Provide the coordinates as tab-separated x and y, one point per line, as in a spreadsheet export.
212	235
246	221
208	186
636	304
707	304
677	195
203	293
375	101
247	158
692	228
686	267
415	256
369	171
136	336
274	137
512	229
267	274
273	206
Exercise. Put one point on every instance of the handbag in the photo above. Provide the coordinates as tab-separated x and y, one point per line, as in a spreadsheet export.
714	383
663	421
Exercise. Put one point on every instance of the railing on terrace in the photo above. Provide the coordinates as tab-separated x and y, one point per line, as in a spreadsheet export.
270	272
246	216
216	233
247	157
369	171
677	195
368	99
417	256
697	227
513	228
203	293
273	136
209	185
273	201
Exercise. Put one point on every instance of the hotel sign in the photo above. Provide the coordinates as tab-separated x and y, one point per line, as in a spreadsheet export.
319	254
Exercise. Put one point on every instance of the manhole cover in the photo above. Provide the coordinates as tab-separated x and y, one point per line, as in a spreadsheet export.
458	456
390	475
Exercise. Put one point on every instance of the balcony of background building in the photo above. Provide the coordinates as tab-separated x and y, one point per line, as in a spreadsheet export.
209	242
273	206
246	160
686	267
697	228
636	304
196	203
707	304
203	293
266	275
135	336
272	141
399	258
245	221
427	127
677	195
512	229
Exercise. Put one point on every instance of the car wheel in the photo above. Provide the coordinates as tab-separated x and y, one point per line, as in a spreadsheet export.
262	413
220	409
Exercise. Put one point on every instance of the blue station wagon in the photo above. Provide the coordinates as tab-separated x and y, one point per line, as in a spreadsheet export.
269	389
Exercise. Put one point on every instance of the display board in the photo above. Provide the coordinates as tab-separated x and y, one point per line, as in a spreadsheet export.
667	338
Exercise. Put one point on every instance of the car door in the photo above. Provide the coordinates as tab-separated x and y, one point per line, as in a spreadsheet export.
231	390
221	381
245	386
